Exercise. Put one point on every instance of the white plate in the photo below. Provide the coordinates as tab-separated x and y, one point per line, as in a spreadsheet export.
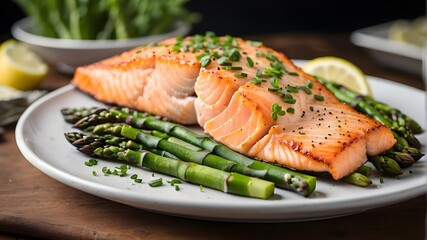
387	51
39	135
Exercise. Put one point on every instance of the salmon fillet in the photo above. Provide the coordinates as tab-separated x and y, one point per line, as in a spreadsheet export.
150	78
249	97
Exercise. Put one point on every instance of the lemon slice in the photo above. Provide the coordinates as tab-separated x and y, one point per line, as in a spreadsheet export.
340	71
20	67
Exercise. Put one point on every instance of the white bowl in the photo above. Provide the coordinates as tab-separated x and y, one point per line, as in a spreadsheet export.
67	54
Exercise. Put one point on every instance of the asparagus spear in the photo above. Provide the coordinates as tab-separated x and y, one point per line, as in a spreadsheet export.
142	120
73	115
386	165
186	154
88	118
203	157
364	170
358	179
282	177
191	172
355	178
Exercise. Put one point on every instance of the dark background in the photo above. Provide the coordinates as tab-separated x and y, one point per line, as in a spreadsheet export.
239	17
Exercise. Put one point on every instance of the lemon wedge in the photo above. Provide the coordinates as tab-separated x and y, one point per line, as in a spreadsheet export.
20	67
340	71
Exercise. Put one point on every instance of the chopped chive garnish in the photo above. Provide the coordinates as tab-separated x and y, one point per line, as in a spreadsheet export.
134	176
199	57
258	73
255	43
211	46
221	60
292	73
175	181
290	101
276	110
184	47
256	81
232	68
139	51
285	95
319	98
291	89
138	180
106	171
94	173
156	182
309	84
305	89
311	108
290	110
124	167
226	64
274	82
121	170
258	54
210	34
241	75
381	180
205	60
234	55
91	162
273	89
215	54
176	187
176	48
271	57
152	174
201	188
250	62
272	72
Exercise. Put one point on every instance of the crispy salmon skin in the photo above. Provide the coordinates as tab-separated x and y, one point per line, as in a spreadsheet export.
245	95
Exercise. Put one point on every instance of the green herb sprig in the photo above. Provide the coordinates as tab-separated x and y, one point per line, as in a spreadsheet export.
276	110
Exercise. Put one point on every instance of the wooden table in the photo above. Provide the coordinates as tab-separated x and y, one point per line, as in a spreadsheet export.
33	204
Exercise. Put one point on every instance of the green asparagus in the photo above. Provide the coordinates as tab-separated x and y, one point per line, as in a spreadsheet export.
282	177
386	165
184	153
358	179
107	19
191	172
72	115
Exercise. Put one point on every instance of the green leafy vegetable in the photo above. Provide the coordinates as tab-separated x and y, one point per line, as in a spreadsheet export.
107	19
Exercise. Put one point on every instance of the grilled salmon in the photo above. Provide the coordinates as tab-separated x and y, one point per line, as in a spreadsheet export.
154	79
245	95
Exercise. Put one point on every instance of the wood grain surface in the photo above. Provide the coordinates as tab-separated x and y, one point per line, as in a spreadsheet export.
33	205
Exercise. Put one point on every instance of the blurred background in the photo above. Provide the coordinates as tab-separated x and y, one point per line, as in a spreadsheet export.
325	26
250	17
